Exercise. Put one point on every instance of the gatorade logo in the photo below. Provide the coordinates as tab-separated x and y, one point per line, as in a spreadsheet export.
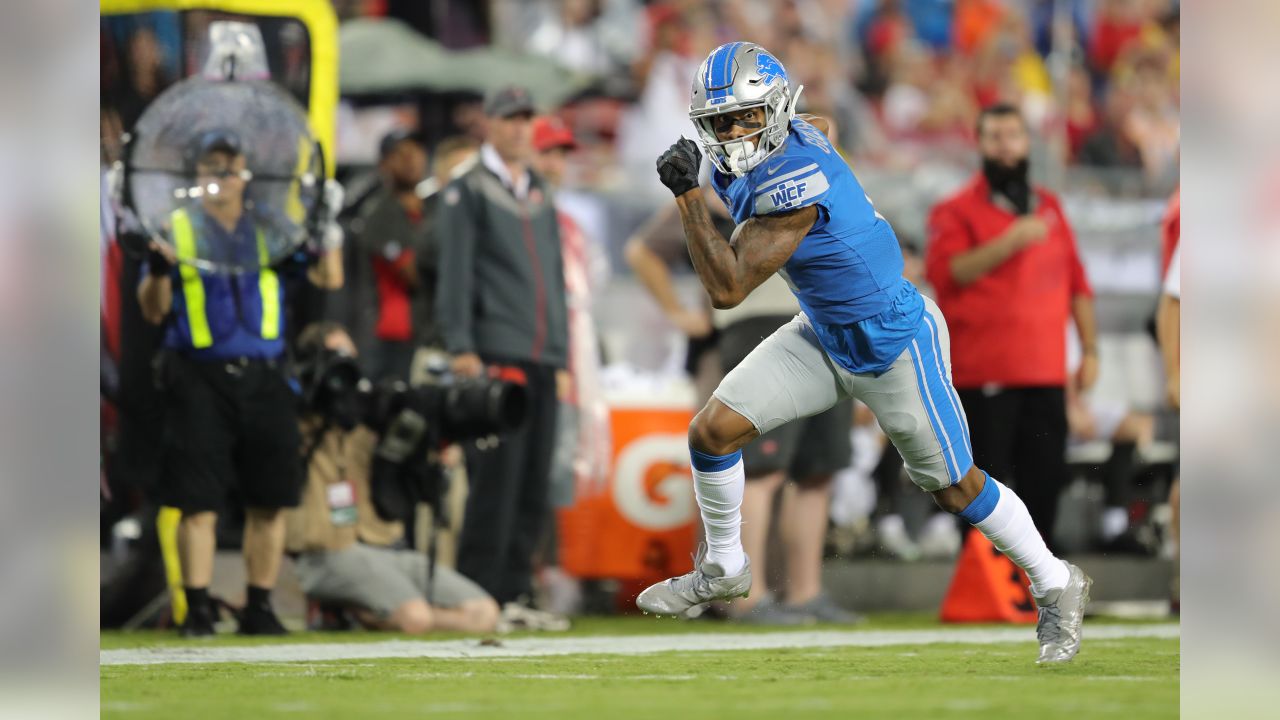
652	486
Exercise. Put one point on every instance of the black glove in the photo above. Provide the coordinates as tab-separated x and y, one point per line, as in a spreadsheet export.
678	166
157	264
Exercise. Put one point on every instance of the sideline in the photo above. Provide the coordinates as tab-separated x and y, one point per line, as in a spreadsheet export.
607	645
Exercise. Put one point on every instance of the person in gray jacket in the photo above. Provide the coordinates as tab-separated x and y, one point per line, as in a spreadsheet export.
500	309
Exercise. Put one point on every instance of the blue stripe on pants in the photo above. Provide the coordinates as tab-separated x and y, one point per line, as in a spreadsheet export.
930	409
935	391
951	388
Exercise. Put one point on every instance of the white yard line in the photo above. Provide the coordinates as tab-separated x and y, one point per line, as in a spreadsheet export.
605	645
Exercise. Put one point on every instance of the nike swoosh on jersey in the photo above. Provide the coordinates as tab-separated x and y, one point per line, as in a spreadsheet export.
774	169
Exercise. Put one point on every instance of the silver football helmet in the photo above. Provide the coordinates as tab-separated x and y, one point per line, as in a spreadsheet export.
736	76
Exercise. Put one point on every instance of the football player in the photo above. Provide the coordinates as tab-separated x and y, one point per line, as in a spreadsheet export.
864	331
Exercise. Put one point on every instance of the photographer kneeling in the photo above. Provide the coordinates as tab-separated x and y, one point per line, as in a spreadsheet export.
344	552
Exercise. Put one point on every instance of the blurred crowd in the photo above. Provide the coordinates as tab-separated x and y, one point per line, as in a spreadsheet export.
903	82
902	79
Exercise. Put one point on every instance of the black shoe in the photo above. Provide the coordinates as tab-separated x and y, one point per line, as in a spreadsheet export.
199	622
260	620
329	617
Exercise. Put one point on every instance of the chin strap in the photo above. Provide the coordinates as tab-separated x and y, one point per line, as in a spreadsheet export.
793	104
790	112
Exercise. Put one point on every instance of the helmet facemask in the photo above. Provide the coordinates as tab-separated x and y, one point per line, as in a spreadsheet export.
741	155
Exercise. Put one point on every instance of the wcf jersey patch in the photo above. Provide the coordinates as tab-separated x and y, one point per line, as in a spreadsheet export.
795	190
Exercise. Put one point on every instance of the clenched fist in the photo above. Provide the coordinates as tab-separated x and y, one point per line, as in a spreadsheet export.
678	166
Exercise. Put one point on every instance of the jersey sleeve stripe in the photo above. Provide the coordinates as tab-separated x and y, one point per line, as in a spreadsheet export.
773	183
795	193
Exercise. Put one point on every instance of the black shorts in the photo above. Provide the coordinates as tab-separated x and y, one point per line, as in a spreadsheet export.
809	447
229	425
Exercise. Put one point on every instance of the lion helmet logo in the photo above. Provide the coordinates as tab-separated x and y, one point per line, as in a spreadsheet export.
769	69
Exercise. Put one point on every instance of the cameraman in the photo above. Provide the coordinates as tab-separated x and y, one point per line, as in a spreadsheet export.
229	408
344	552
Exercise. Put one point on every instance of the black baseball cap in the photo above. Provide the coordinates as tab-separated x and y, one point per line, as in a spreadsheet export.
510	100
389	141
224	141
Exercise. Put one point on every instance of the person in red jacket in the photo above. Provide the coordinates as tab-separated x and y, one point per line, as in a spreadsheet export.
1003	261
395	238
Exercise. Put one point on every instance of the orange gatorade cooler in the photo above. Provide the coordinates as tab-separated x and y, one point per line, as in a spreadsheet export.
640	526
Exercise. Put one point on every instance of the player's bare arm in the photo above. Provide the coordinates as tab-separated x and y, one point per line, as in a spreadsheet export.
826	125
730	270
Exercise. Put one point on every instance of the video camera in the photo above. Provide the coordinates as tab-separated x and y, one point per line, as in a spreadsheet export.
413	422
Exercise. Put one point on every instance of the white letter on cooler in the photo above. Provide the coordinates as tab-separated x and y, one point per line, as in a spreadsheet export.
629	494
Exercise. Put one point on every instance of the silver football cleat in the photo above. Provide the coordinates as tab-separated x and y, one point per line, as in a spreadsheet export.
704	584
1061	615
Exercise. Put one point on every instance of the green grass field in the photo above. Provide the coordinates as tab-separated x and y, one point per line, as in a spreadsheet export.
1130	677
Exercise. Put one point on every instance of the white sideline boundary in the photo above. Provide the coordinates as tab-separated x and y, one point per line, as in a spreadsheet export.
606	645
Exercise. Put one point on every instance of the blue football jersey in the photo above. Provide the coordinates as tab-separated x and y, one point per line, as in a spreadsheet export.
847	272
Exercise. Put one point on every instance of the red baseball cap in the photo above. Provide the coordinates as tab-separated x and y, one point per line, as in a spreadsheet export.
549	133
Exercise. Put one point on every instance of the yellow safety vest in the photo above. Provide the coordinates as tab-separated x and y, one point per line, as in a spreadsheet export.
184	240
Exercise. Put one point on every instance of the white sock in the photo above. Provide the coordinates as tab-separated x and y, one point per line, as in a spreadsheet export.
1010	529
719	495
